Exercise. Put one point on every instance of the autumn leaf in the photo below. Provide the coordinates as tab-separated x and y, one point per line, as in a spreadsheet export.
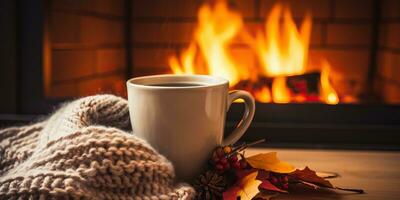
246	188
310	176
267	185
269	162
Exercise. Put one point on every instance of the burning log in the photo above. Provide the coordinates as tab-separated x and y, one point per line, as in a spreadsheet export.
296	88
305	86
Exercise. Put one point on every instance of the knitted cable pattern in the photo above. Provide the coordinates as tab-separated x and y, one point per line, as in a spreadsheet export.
85	151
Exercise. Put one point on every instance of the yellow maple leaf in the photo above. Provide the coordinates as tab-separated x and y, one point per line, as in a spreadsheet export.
246	188
269	162
249	186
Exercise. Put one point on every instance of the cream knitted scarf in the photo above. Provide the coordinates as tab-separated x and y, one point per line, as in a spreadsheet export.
84	151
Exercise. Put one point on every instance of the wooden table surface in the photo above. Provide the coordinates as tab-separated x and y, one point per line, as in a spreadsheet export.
378	173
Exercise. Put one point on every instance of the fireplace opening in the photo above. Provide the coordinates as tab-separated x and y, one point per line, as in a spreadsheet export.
326	70
326	51
281	73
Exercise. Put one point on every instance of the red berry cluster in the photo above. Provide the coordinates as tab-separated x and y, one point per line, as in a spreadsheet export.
279	180
224	159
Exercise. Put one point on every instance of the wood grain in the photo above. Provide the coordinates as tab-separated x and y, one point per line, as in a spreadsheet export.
378	173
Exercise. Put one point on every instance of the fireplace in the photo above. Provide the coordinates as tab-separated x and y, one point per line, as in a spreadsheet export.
328	51
324	70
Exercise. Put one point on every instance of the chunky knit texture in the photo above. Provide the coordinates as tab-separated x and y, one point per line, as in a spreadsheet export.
84	151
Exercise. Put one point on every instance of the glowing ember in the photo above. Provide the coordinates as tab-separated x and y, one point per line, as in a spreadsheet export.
282	50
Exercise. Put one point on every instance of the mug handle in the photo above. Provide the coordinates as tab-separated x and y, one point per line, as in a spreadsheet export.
247	116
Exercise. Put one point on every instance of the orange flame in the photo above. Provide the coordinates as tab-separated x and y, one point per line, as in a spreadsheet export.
280	92
187	61
216	27
328	94
283	49
263	95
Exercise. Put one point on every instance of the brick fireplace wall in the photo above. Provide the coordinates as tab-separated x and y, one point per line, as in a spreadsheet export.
341	33
85	48
389	52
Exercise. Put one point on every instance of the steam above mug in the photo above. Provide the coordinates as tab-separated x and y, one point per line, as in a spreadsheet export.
183	117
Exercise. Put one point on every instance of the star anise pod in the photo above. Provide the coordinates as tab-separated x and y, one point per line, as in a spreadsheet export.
210	185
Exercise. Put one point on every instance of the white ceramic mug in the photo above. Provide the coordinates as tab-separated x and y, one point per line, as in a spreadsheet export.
183	117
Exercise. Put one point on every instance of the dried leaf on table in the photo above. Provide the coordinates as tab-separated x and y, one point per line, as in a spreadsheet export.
262	176
310	176
267	185
269	162
246	188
